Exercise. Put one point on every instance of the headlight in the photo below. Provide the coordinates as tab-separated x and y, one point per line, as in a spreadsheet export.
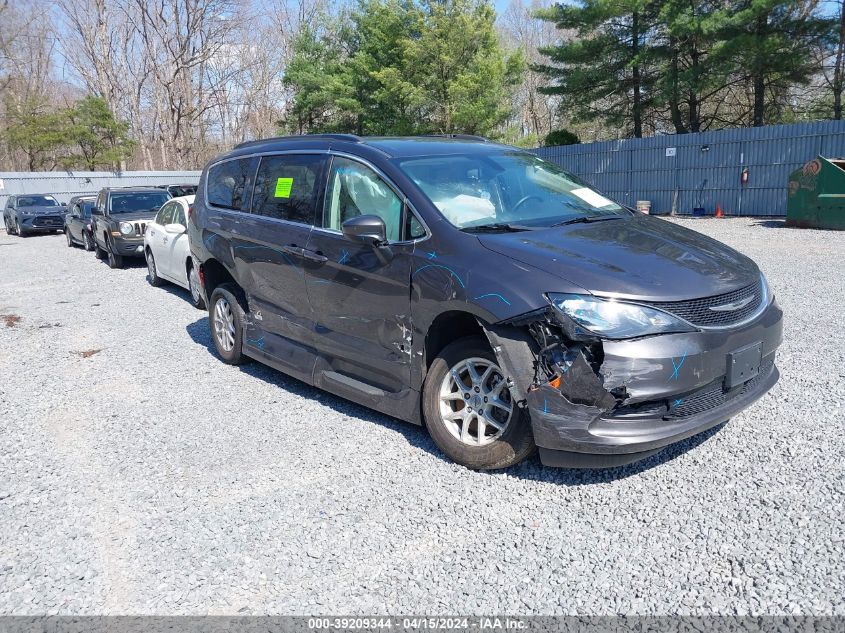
611	319
126	228
766	293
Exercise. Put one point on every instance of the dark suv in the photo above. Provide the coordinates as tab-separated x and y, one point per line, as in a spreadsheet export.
119	219
33	213
481	291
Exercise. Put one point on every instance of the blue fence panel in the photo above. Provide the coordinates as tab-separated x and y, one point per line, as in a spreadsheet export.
704	169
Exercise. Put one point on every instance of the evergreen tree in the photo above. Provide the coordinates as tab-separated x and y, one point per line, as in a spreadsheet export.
770	43
402	67
38	131
690	76
101	139
606	71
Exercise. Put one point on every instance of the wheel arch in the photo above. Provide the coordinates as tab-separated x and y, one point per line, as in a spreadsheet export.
214	274
446	328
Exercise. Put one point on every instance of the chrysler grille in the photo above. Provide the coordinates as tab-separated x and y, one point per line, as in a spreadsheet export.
698	312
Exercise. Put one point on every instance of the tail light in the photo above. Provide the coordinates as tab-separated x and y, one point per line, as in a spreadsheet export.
190	211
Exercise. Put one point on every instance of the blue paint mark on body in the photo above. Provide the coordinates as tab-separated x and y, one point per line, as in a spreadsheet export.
452	272
677	402
432	255
677	366
494	294
344	257
257	342
545	406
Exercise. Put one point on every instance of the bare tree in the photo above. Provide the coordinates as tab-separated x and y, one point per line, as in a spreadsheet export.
537	114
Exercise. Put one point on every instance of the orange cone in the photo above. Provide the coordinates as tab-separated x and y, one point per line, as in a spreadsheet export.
719	213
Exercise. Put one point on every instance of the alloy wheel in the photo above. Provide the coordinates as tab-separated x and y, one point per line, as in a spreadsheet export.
475	402
151	266
194	284
224	325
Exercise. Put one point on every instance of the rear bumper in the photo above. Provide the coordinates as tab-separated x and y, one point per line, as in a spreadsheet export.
671	387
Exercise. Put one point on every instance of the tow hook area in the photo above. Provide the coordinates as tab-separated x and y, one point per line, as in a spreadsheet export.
558	378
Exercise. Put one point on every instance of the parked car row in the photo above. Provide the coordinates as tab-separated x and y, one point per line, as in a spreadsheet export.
138	222
460	284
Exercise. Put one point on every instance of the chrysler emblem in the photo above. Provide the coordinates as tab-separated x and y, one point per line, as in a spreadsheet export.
734	305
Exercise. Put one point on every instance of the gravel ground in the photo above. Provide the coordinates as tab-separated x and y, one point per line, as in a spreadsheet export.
149	477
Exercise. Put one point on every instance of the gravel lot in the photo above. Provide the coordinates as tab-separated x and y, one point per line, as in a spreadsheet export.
149	477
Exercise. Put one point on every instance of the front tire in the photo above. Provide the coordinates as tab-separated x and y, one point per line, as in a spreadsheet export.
226	318
115	260
87	241
18	230
69	238
469	411
152	271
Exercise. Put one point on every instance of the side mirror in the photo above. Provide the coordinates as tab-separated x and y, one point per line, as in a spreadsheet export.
365	228
175	229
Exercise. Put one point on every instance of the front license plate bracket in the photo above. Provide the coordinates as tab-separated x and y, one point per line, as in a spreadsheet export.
743	364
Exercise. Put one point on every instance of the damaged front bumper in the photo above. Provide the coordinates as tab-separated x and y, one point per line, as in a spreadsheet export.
621	401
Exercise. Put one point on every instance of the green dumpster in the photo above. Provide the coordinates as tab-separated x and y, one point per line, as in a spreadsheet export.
817	195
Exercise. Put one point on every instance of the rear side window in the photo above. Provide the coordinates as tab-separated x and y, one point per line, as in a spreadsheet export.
287	187
228	183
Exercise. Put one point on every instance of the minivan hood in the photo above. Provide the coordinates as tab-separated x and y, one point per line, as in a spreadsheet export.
640	257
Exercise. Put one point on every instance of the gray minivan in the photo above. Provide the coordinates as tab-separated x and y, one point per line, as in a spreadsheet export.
481	291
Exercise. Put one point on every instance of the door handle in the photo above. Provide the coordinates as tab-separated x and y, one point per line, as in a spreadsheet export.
313	256
304	253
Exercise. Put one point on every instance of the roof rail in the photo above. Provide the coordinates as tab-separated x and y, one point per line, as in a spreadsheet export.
464	137
352	138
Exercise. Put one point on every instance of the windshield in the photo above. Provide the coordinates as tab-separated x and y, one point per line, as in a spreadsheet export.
137	201
512	187
37	201
182	190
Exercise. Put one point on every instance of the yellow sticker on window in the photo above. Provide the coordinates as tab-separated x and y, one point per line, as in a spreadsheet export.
283	187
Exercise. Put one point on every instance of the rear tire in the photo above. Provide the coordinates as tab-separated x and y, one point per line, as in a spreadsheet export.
152	271
195	288
468	420
226	320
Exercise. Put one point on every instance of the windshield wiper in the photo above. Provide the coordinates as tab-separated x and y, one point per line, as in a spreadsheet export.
587	219
497	227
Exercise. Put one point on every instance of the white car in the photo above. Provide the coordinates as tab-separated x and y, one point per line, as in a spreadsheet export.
168	252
